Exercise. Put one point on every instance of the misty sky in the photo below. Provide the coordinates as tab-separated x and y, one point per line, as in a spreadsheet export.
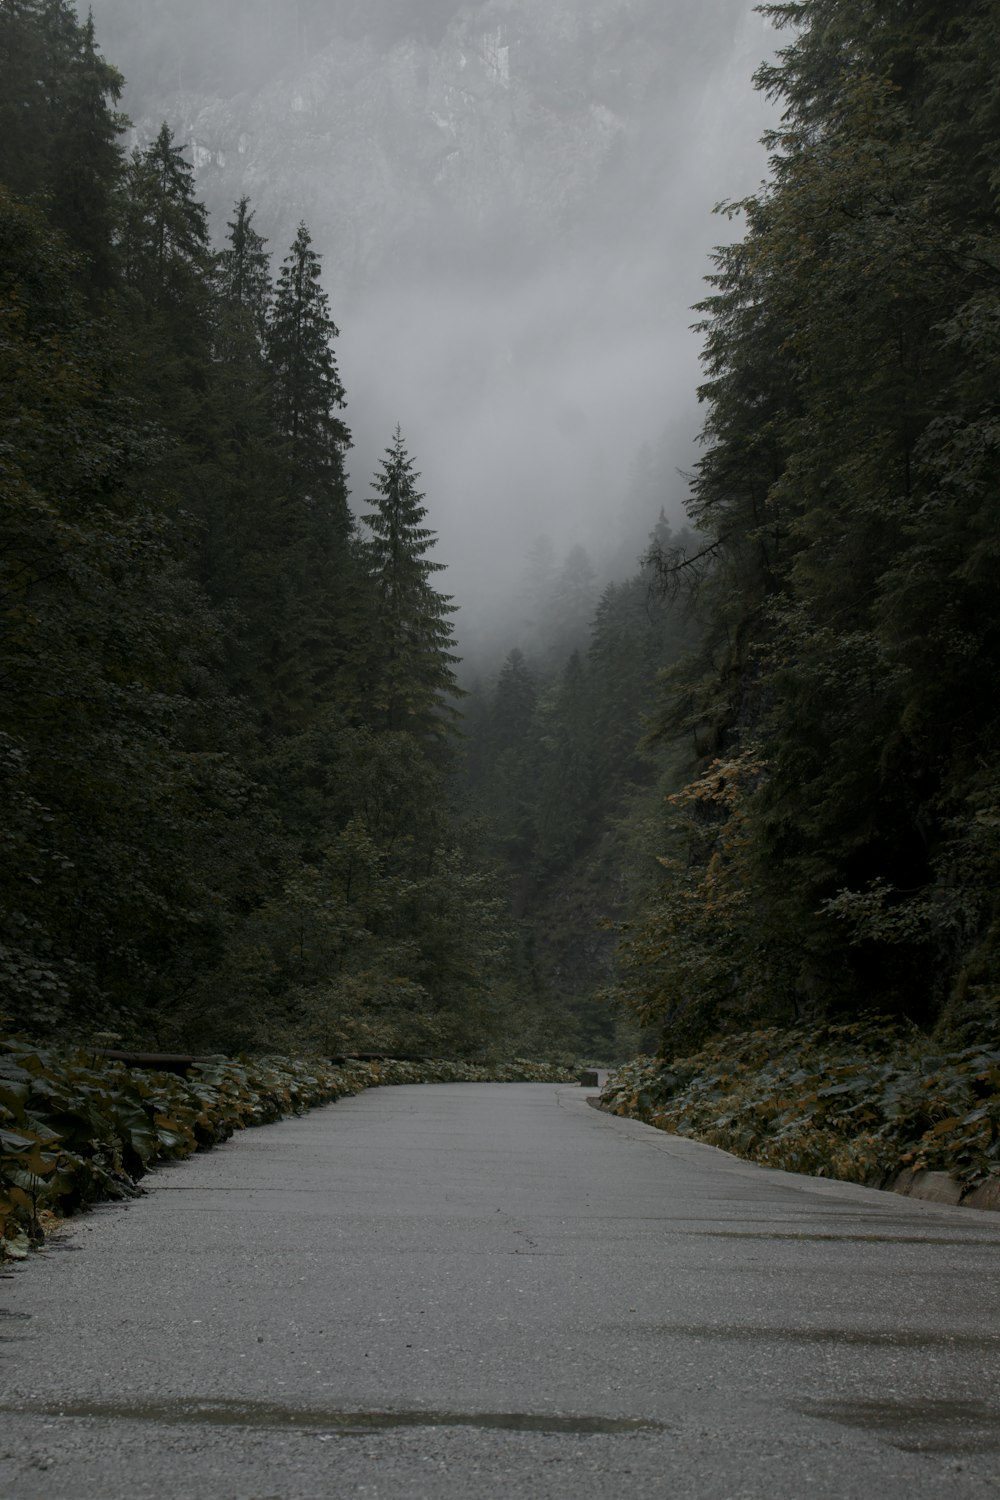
513	200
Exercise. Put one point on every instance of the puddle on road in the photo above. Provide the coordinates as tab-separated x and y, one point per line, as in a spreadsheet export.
949	1428
868	1338
14	1317
261	1414
850	1239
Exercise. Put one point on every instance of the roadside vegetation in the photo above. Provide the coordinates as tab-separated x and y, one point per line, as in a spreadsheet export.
751	792
77	1129
861	1102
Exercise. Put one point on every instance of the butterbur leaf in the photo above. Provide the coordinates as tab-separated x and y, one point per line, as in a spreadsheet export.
40	1163
29	1182
110	1124
14	1096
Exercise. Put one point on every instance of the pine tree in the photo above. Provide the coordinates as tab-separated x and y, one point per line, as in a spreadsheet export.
118	794
58	126
88	161
38	40
310	575
243	464
411	678
513	761
567	804
24	68
244	273
307	387
515	703
574	598
536	596
165	248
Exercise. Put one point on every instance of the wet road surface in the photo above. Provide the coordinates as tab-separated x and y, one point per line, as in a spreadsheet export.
496	1290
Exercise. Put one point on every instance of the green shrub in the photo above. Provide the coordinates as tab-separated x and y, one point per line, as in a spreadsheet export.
859	1102
76	1129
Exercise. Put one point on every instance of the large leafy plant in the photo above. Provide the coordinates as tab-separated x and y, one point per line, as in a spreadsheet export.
76	1129
859	1101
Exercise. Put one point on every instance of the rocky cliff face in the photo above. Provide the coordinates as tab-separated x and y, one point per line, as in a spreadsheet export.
421	135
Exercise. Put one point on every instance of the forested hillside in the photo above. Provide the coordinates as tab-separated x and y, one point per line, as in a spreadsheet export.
242	797
228	706
835	847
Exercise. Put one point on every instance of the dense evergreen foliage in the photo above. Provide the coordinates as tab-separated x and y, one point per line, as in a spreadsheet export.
410	681
241	795
226	713
837	847
559	776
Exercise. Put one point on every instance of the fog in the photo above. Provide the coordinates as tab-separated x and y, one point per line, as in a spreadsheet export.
513	202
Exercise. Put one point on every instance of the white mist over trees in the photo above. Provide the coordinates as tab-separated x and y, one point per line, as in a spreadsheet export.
513	205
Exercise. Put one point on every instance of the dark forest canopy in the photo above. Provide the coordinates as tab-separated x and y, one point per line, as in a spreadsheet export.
839	849
216	826
240	796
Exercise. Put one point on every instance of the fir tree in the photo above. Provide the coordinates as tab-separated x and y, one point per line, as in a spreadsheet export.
165	243
58	125
88	160
38	42
411	677
116	796
573	601
311	574
513	762
567	785
244	273
307	387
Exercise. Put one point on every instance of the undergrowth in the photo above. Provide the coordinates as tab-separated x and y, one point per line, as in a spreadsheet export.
76	1129
859	1102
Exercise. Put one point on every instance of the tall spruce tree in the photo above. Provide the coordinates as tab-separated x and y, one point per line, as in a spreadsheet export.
513	760
311	580
38	41
117	792
308	392
165	247
242	458
567	783
88	160
411	678
244	273
59	128
574	596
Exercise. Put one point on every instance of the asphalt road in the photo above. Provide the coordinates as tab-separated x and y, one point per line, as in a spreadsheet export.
495	1290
